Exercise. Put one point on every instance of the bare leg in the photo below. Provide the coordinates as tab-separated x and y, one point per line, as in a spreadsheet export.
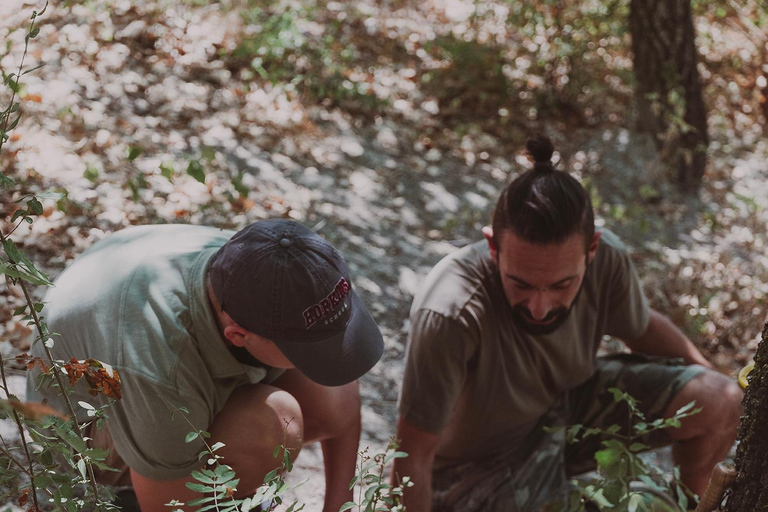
331	416
705	439
251	425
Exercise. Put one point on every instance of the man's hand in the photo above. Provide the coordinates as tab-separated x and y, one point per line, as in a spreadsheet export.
420	446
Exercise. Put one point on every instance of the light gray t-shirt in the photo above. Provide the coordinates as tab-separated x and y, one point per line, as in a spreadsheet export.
480	381
137	301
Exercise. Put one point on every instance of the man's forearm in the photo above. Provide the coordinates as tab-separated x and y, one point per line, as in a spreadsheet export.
663	338
419	496
340	457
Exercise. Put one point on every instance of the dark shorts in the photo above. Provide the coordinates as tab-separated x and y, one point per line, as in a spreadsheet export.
497	486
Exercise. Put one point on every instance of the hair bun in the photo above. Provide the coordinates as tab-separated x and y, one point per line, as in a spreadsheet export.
540	148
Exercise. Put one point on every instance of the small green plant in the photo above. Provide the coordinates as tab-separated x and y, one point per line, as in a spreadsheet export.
374	493
620	468
217	482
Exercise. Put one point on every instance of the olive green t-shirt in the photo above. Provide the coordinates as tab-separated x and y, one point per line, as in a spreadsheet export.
137	301
480	381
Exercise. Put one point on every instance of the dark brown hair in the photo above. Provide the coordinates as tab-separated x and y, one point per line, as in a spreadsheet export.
544	205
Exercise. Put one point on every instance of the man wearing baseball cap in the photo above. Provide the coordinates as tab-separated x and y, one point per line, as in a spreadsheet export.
258	334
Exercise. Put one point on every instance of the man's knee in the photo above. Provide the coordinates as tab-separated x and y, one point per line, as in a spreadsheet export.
719	398
327	411
255	420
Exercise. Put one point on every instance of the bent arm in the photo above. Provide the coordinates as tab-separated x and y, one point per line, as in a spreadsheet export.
332	417
420	446
663	338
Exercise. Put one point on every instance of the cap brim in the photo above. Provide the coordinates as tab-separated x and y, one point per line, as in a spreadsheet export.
342	358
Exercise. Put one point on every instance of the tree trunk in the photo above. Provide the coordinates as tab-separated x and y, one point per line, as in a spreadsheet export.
668	91
750	491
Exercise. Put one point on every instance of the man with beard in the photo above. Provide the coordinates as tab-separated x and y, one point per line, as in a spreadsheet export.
503	342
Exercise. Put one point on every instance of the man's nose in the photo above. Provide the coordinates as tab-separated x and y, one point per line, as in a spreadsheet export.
539	305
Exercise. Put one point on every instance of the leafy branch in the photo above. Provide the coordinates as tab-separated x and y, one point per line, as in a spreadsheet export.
374	492
619	463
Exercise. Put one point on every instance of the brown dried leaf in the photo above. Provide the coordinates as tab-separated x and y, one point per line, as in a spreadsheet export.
24	498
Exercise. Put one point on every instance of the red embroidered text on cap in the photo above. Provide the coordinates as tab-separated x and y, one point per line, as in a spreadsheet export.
324	307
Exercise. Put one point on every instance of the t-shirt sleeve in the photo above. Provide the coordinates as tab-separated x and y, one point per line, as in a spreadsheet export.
149	431
439	349
628	310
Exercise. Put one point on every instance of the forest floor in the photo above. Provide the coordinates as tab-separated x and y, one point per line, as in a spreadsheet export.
137	119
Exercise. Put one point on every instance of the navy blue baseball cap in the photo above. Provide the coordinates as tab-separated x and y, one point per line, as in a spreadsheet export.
284	282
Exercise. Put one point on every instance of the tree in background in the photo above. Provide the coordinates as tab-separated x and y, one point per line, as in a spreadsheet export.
749	492
668	93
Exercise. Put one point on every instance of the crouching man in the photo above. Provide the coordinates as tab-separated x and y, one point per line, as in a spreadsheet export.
258	334
503	343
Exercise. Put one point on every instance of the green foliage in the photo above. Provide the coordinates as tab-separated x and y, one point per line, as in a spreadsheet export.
543	69
196	170
374	492
217	482
10	116
281	50
54	460
620	468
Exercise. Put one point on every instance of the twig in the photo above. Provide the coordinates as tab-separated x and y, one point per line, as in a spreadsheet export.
57	376
35	14
31	472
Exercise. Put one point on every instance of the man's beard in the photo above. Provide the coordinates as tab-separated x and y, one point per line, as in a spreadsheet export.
522	317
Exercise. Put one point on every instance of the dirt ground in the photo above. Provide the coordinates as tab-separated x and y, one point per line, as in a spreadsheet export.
393	191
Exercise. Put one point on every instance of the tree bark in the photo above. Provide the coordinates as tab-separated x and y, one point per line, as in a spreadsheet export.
750	491
668	92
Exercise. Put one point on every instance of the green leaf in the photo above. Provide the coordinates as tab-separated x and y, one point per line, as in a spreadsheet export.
5	181
191	437
687	407
348	506
37	278
13	251
35	206
167	170
200	477
196	170
14	123
134	152
237	183
638	447
18	213
395	455
19	310
682	498
199	487
91	174
30	70
208	153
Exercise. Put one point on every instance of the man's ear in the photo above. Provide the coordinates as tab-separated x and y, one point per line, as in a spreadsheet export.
593	246
235	334
488	235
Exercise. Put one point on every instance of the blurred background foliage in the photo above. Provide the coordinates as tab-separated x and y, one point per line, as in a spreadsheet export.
396	122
